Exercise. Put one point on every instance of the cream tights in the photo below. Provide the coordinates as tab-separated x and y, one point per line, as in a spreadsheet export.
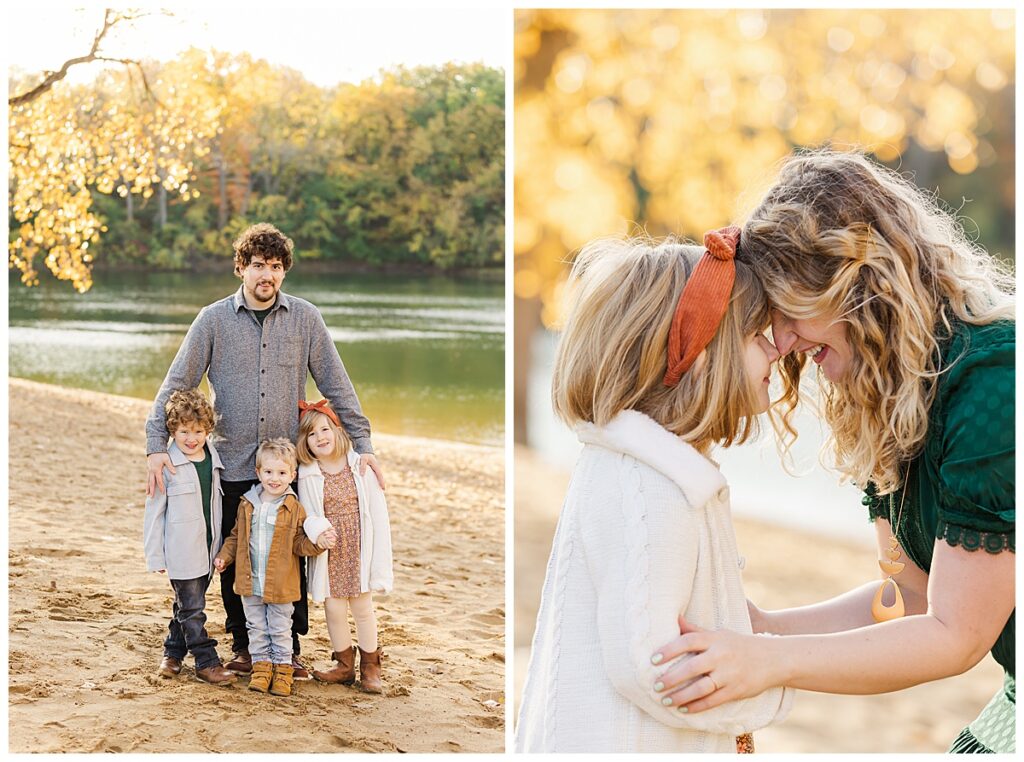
366	622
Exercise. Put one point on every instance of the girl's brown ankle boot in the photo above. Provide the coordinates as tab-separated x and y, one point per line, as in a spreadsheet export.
344	672
369	670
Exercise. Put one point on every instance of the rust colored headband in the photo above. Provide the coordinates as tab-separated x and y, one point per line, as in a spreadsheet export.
702	303
318	407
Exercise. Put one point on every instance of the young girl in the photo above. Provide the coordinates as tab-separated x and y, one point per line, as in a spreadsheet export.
331	487
661	358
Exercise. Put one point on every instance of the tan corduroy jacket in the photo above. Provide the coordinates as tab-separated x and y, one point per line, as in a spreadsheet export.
289	542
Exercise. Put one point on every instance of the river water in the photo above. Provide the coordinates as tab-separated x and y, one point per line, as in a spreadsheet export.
426	354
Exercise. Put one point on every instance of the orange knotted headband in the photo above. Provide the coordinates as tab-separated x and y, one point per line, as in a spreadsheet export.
702	303
323	406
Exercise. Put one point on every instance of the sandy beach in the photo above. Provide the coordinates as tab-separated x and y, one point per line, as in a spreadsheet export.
86	621
783	568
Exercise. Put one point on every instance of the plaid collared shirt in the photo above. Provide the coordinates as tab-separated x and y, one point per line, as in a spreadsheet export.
258	375
261	534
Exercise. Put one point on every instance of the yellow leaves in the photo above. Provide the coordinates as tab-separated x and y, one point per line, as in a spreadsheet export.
671	115
104	137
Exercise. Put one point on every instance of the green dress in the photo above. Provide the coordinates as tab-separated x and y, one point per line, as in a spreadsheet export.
961	489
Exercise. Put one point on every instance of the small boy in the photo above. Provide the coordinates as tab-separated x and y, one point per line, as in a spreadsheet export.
266	542
181	534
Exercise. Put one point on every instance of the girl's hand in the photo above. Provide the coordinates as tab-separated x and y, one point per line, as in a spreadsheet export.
219	565
726	666
327	539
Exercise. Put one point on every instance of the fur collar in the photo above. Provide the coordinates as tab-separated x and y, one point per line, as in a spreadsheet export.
641	437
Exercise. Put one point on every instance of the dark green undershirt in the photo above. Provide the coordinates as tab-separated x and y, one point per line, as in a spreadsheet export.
204	468
261	315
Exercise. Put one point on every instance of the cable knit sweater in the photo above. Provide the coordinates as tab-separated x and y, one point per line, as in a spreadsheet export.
645	533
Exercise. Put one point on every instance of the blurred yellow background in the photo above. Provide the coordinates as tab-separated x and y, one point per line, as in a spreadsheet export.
668	118
672	121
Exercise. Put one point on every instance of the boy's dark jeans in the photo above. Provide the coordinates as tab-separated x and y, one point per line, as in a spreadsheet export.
234	622
186	631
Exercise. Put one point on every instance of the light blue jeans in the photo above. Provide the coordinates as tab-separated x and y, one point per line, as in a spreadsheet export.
270	629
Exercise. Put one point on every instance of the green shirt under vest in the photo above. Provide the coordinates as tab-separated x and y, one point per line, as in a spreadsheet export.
204	468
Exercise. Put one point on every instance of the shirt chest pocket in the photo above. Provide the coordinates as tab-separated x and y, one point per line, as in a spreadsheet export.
289	352
184	503
286	521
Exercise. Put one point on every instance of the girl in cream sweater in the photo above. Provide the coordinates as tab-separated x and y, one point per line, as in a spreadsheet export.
662	357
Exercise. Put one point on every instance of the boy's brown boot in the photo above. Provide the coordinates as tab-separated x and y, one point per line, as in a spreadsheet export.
369	670
262	673
240	664
169	667
282	685
215	675
344	673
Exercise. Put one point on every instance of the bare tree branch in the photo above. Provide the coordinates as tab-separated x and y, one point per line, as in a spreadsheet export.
142	73
110	19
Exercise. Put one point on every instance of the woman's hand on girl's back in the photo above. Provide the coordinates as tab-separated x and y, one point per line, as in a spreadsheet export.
725	666
758	621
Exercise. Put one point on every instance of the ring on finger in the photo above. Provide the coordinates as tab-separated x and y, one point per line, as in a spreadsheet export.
717	686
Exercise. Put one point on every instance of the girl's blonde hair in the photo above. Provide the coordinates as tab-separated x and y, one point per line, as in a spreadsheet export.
841	236
613	351
307	424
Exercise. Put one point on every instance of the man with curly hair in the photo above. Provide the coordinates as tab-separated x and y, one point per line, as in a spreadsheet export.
255	347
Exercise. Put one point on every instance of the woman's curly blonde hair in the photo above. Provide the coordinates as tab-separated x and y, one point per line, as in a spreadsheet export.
840	236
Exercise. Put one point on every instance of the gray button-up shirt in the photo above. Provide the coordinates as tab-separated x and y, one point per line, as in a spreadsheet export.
258	375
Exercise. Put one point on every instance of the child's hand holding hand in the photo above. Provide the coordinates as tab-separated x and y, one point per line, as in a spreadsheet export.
219	565
327	539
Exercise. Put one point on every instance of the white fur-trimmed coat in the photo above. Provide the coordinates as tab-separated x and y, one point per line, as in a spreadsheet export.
375	563
644	534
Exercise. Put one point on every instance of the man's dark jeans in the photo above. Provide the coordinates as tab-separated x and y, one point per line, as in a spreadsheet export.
234	623
187	631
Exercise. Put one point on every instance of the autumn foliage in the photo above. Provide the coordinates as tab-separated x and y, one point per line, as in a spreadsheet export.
672	120
165	170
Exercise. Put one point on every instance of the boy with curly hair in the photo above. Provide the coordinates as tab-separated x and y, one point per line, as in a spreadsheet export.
182	534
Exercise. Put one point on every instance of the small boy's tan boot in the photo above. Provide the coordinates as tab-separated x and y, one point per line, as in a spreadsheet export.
282	685
344	673
369	670
262	673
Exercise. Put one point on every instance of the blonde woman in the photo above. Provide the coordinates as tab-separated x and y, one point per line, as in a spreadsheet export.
911	329
662	357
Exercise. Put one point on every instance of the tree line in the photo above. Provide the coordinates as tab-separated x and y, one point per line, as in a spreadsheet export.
163	164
